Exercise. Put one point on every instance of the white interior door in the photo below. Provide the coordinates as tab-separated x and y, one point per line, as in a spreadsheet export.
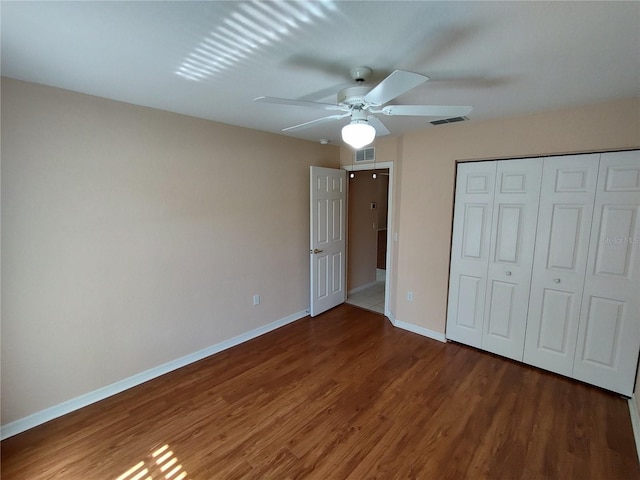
513	232
470	251
609	329
562	243
328	242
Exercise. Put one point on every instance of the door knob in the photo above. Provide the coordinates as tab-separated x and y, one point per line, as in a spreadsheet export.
556	280
508	273
315	250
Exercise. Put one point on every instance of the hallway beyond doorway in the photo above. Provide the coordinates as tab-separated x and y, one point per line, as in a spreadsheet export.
371	296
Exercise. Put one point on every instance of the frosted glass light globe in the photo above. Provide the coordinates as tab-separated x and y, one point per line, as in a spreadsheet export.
358	133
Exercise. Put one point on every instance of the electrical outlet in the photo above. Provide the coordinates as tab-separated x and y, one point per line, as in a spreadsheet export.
256	299
410	296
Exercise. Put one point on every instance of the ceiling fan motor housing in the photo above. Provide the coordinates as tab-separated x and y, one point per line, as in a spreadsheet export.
353	95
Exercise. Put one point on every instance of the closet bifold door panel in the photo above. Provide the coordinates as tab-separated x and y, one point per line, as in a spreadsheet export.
562	244
609	329
513	232
545	264
470	251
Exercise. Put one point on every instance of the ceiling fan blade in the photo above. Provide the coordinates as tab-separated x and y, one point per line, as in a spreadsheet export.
316	121
399	82
427	110
381	128
297	103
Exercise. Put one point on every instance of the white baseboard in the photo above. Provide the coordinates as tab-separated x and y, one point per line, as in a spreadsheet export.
635	422
425	332
56	411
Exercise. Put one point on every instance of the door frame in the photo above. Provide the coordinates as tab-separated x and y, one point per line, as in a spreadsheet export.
390	234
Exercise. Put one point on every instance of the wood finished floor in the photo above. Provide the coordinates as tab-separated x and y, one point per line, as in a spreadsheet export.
344	395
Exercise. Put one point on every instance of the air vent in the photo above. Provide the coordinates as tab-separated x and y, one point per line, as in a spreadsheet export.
366	154
449	120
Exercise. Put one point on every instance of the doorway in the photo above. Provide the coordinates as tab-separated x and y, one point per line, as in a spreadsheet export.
367	237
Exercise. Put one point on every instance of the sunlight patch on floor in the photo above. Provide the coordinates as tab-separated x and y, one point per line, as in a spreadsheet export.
162	464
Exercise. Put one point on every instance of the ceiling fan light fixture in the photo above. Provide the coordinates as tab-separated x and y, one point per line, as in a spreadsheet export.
358	133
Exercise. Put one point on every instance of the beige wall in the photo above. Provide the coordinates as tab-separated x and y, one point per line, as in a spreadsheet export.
132	237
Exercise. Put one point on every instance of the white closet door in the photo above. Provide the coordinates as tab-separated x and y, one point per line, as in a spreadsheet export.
609	330
470	251
562	243
513	231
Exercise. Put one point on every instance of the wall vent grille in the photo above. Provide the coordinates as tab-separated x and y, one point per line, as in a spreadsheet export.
449	120
366	154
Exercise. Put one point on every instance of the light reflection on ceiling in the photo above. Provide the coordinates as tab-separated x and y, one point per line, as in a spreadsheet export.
247	30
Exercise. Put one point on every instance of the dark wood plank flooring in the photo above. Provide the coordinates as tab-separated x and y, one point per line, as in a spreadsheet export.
343	395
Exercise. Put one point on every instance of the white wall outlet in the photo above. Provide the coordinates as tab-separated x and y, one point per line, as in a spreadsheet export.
256	299
410	296
395	237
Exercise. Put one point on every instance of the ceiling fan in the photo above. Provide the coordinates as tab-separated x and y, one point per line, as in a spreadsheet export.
363	102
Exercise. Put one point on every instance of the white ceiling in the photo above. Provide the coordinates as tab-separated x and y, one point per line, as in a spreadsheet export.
211	59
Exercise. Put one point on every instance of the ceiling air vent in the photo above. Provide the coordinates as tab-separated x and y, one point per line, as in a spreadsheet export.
449	120
366	154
